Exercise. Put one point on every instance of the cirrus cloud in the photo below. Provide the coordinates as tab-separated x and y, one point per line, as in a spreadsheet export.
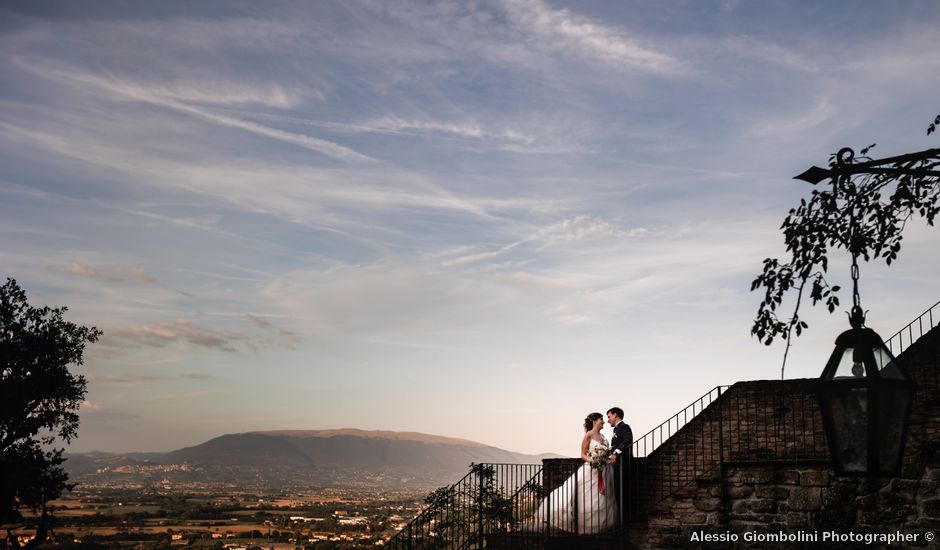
111	275
174	332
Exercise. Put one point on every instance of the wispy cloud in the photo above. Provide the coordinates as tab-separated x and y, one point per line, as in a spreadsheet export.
583	228
112	275
196	376
569	231
329	199
286	338
796	124
141	379
183	395
126	379
180	331
186	334
560	30
218	92
134	275
594	272
482	256
401	126
138	92
92	406
539	138
272	335
302	140
181	33
462	129
751	47
258	321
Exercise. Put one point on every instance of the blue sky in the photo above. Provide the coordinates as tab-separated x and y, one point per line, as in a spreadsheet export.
482	220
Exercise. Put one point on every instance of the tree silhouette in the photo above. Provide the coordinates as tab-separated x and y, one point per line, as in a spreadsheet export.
864	212
39	400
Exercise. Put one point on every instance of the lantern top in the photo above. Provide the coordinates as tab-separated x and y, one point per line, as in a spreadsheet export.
857	319
860	337
861	354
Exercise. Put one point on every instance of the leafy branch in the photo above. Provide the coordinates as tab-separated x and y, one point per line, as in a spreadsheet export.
864	211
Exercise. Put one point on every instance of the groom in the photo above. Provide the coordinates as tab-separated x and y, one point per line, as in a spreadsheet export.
620	444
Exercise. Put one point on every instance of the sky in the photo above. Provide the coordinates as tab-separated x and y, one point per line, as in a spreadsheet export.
473	219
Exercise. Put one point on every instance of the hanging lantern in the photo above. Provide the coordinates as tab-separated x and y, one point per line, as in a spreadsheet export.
865	398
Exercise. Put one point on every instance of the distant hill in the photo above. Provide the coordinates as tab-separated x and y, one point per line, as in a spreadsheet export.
301	458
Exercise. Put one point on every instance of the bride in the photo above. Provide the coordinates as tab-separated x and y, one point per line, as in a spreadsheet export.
585	502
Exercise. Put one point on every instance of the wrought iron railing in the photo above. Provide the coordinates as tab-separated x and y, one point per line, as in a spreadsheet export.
575	499
491	498
652	474
424	530
647	443
921	325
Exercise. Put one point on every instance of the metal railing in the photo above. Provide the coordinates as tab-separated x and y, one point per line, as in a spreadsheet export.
926	321
576	499
647	443
491	498
672	455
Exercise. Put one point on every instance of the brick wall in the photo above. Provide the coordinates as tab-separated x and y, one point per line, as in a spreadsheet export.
751	421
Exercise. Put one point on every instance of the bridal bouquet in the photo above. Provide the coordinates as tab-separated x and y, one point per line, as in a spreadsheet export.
599	458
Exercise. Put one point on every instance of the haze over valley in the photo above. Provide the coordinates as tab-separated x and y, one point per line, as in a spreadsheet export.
344	458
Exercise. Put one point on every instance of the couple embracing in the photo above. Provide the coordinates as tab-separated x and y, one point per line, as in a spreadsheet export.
587	502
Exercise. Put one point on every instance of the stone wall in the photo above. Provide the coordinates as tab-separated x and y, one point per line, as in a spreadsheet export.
796	499
752	421
775	475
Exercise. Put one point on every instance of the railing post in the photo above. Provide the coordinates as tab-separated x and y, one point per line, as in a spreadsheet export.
480	514
576	511
721	436
548	499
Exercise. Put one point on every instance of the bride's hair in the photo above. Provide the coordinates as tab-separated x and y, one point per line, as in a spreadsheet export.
589	421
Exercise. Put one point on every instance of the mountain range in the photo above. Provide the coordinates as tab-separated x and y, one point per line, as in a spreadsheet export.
344	458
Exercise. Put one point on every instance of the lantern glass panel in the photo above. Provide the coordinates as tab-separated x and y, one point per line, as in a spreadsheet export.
886	365
848	409
893	402
849	365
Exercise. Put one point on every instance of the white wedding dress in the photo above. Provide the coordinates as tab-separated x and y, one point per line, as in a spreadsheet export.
582	504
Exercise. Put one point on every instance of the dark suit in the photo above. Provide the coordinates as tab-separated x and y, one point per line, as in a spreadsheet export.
623	439
622	445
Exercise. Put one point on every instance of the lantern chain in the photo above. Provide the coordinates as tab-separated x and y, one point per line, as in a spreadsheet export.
857	317
856	299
